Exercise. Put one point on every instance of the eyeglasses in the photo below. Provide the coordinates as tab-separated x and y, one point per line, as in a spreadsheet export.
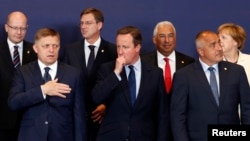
87	23
22	29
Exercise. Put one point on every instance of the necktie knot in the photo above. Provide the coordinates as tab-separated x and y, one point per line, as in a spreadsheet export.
211	69
131	67
47	76
91	47
166	60
16	47
16	57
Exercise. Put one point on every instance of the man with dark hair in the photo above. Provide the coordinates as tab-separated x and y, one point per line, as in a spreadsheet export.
134	94
50	94
87	55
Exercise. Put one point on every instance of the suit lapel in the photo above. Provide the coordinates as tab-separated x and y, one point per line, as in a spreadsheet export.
27	49
7	59
60	70
35	70
81	56
223	76
203	81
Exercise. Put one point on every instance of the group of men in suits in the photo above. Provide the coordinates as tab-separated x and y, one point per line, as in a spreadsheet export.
55	109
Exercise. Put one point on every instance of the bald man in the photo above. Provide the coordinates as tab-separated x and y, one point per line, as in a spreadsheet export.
16	29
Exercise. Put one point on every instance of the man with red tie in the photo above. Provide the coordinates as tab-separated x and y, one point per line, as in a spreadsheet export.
165	56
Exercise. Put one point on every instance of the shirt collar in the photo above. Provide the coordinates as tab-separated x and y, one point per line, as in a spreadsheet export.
161	57
96	44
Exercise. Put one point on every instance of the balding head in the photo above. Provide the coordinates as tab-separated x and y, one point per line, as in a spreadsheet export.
16	26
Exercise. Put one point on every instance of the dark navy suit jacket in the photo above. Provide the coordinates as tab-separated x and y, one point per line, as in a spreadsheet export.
75	56
193	106
53	118
147	121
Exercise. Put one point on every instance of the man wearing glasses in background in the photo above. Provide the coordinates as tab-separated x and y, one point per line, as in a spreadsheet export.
14	52
87	55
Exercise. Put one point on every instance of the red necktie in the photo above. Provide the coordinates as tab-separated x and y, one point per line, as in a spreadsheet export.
168	80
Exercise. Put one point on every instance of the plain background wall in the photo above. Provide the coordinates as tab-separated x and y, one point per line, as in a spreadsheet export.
188	16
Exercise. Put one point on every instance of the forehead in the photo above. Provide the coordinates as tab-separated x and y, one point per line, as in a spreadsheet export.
124	38
211	38
87	17
17	19
165	29
49	40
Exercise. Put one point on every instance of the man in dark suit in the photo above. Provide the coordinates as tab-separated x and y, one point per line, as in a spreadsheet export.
164	38
195	105
77	54
134	113
50	94
16	28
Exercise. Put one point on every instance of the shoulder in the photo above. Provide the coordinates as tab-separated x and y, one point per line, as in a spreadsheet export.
184	56
228	66
107	43
75	44
151	54
150	67
27	43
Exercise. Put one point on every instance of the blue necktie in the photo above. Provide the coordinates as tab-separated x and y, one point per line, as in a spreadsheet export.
213	85
91	58
16	58
47	76
132	84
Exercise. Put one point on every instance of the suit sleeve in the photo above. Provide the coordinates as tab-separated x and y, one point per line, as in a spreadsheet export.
178	107
20	98
79	110
107	81
163	113
245	97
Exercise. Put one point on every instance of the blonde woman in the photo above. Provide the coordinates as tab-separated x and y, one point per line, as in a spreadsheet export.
232	39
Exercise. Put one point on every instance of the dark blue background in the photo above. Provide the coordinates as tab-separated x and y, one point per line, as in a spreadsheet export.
188	16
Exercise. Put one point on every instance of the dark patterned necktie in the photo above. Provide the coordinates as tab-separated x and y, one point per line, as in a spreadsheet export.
16	57
46	76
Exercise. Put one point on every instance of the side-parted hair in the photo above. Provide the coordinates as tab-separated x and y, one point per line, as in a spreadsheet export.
133	31
97	14
45	32
235	31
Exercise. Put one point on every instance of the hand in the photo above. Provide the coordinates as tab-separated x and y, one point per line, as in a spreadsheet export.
53	88
98	113
119	64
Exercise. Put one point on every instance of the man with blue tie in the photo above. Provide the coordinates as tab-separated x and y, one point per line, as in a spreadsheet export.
208	92
134	94
50	95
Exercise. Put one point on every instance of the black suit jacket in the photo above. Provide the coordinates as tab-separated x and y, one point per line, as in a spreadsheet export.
75	56
193	106
147	120
53	118
8	118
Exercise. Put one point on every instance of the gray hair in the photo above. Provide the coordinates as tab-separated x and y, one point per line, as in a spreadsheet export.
163	23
